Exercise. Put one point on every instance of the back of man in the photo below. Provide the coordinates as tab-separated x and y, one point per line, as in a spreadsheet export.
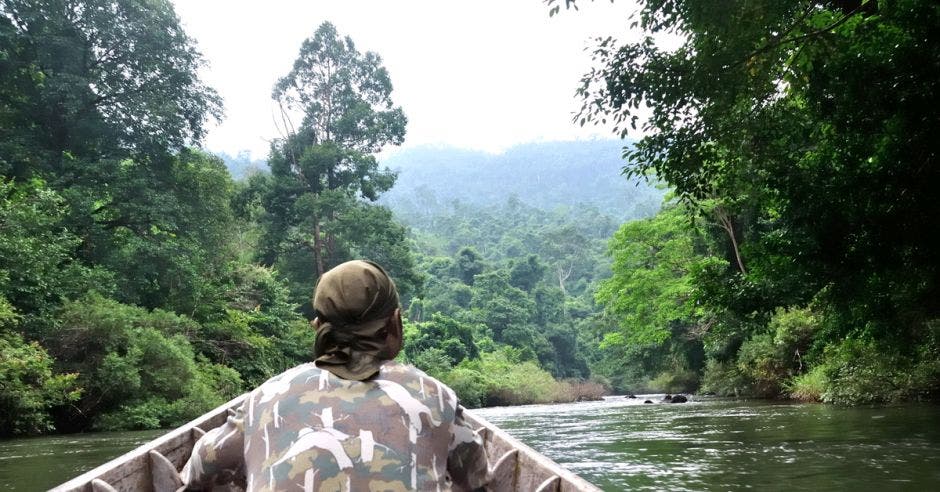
383	426
309	430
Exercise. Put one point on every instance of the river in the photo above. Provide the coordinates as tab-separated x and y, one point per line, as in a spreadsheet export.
622	444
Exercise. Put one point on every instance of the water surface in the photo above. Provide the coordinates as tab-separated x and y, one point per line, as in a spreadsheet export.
622	444
40	463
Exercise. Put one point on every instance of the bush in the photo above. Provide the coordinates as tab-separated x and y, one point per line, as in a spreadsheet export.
470	386
433	361
862	371
29	388
138	367
589	390
501	377
767	360
763	366
809	386
678	381
724	379
214	385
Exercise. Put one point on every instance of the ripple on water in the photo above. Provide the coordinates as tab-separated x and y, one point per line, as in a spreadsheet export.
729	445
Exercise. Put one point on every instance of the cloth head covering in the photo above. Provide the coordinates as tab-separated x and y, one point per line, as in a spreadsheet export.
353	302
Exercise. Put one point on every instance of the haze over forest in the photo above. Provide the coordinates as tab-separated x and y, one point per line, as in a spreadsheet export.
545	175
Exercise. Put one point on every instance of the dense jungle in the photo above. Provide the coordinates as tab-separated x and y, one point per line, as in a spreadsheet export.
762	223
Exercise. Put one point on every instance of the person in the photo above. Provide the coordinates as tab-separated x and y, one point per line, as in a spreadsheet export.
354	419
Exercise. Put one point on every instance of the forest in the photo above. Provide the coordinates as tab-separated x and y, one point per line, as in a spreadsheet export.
765	234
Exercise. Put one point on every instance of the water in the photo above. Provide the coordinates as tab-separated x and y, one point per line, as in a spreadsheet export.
40	463
621	444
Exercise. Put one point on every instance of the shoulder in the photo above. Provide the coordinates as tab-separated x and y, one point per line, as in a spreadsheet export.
396	371
281	382
418	381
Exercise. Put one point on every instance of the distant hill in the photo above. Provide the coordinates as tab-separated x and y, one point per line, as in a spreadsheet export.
241	166
546	175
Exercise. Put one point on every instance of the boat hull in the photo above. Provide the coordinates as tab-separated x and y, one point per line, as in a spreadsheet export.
154	466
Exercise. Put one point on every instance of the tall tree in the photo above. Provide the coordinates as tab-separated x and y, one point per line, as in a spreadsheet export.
324	170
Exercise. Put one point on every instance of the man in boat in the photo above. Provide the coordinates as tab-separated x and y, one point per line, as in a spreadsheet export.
354	419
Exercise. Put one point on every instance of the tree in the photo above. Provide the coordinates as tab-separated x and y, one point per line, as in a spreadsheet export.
92	79
653	282
37	265
324	170
99	100
801	131
810	118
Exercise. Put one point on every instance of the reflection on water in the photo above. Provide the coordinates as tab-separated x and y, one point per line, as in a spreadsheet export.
622	444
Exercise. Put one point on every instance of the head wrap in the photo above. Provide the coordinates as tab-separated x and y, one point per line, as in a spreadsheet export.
353	302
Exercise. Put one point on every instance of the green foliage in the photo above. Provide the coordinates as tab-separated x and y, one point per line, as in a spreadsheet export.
502	378
798	137
809	386
37	264
768	360
97	78
28	386
861	371
469	265
651	288
323	175
724	379
259	334
794	258
674	382
454	339
124	255
167	237
135	365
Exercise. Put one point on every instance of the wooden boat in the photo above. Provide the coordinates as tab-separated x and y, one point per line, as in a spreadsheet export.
155	466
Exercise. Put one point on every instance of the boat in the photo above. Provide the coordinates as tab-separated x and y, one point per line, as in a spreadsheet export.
155	466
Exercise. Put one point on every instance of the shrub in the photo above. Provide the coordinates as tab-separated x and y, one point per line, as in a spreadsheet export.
29	388
676	381
809	386
724	379
470	386
762	365
859	371
862	371
137	367
588	390
433	361
767	360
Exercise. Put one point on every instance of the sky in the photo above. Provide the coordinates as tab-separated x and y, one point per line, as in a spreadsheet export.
480	74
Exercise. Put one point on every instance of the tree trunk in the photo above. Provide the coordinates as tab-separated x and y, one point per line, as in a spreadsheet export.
318	247
728	226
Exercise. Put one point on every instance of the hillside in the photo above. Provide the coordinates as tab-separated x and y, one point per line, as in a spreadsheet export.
544	175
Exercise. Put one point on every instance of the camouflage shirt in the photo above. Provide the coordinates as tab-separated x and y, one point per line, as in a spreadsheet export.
307	429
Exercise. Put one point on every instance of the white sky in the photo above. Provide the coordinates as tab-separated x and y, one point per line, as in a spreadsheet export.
477	74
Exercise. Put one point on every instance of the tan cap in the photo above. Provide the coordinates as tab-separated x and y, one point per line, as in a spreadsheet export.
353	302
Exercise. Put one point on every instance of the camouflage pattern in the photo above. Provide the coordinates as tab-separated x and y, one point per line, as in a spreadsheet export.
307	429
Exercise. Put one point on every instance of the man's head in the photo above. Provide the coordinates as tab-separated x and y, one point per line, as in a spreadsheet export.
358	320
